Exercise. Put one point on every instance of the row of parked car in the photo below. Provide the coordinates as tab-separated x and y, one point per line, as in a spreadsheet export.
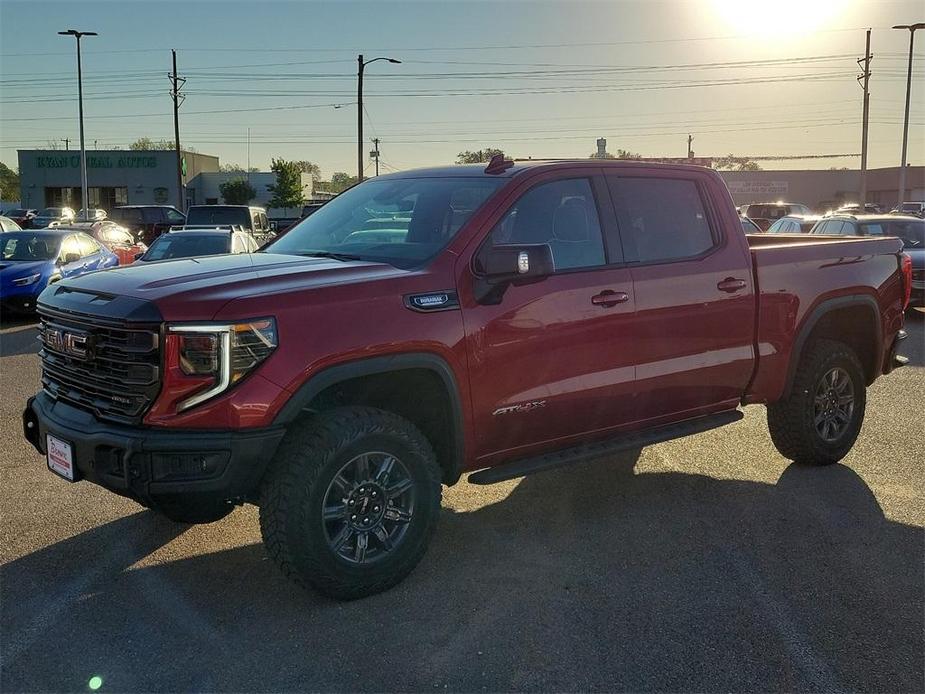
905	221
37	249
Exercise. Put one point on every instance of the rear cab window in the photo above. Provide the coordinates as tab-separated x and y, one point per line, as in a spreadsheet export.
661	219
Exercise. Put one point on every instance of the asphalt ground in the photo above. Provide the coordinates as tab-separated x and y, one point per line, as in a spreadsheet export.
704	564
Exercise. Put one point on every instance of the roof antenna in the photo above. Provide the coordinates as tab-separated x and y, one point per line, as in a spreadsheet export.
498	164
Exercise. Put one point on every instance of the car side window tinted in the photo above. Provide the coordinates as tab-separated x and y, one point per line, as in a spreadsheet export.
562	214
664	217
69	246
88	245
174	217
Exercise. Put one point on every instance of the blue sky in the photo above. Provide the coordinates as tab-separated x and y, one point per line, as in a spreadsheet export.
537	79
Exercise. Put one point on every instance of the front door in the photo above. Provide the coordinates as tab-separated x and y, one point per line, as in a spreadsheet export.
554	359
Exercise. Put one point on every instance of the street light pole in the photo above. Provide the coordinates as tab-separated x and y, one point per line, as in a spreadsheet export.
361	66
902	168
80	101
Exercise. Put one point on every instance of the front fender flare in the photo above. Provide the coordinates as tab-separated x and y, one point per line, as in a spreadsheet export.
346	371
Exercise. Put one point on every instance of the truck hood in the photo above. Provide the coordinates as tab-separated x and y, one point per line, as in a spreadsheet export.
196	288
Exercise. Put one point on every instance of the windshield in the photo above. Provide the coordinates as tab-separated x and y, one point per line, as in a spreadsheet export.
52	212
26	246
183	244
219	215
403	222
912	232
17	213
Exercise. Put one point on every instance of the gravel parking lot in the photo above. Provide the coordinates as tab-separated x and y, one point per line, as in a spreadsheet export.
705	564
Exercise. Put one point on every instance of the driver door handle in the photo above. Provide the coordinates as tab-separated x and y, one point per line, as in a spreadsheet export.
731	284
609	298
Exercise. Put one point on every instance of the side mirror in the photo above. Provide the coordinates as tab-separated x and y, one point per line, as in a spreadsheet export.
498	267
71	258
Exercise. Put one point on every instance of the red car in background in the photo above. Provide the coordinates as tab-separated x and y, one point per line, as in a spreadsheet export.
116	238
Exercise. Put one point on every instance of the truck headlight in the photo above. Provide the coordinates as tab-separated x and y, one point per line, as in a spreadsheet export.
26	281
221	353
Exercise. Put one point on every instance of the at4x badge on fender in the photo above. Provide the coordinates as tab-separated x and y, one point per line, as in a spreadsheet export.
518	409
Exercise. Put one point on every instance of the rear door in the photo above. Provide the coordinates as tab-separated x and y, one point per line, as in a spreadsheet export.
555	358
691	273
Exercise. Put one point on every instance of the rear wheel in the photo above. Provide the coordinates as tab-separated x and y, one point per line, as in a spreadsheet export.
351	502
821	419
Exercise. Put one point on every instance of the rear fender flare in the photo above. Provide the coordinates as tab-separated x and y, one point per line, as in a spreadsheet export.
818	313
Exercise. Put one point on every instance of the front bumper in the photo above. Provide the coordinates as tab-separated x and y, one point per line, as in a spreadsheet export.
152	465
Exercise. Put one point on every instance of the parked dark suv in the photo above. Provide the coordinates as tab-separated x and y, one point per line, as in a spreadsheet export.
147	222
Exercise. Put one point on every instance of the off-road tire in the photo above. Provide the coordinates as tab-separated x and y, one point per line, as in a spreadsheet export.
790	420
293	492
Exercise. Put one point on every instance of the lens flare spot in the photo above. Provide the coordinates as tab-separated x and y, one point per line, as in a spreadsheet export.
95	682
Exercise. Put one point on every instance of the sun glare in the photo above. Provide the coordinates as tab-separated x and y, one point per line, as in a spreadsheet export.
792	16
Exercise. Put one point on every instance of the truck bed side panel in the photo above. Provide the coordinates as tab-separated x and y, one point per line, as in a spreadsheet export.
795	277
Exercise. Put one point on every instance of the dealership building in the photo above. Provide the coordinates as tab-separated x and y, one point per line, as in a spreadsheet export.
51	178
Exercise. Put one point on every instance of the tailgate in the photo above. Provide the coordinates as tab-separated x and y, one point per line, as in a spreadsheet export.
796	273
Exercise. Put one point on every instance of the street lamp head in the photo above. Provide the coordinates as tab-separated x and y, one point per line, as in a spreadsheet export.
78	34
911	27
393	60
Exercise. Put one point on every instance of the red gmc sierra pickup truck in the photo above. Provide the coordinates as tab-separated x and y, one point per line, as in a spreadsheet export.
498	320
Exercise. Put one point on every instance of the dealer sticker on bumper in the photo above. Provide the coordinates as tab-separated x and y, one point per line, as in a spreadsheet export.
60	457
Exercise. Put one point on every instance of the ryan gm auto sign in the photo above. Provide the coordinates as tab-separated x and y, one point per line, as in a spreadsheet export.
72	161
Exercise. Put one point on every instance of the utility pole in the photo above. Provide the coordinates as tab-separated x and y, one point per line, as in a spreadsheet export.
361	66
178	99
902	171
864	118
375	153
67	143
85	195
690	152
248	176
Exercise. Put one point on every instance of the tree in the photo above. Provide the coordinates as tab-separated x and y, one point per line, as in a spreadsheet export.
287	191
309	168
143	144
236	168
237	192
9	183
621	154
479	156
339	182
733	163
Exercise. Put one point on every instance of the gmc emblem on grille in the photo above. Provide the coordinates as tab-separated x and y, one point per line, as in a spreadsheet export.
74	344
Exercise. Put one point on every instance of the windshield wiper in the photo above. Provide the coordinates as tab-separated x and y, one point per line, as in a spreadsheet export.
345	257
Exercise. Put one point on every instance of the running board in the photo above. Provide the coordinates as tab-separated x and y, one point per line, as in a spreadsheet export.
588	451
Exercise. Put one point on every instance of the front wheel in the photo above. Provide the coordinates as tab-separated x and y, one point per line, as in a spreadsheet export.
351	502
821	419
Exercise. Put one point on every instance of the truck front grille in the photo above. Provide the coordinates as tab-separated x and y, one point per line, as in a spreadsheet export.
108	368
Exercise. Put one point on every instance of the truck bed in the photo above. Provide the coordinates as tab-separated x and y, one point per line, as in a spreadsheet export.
787	267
